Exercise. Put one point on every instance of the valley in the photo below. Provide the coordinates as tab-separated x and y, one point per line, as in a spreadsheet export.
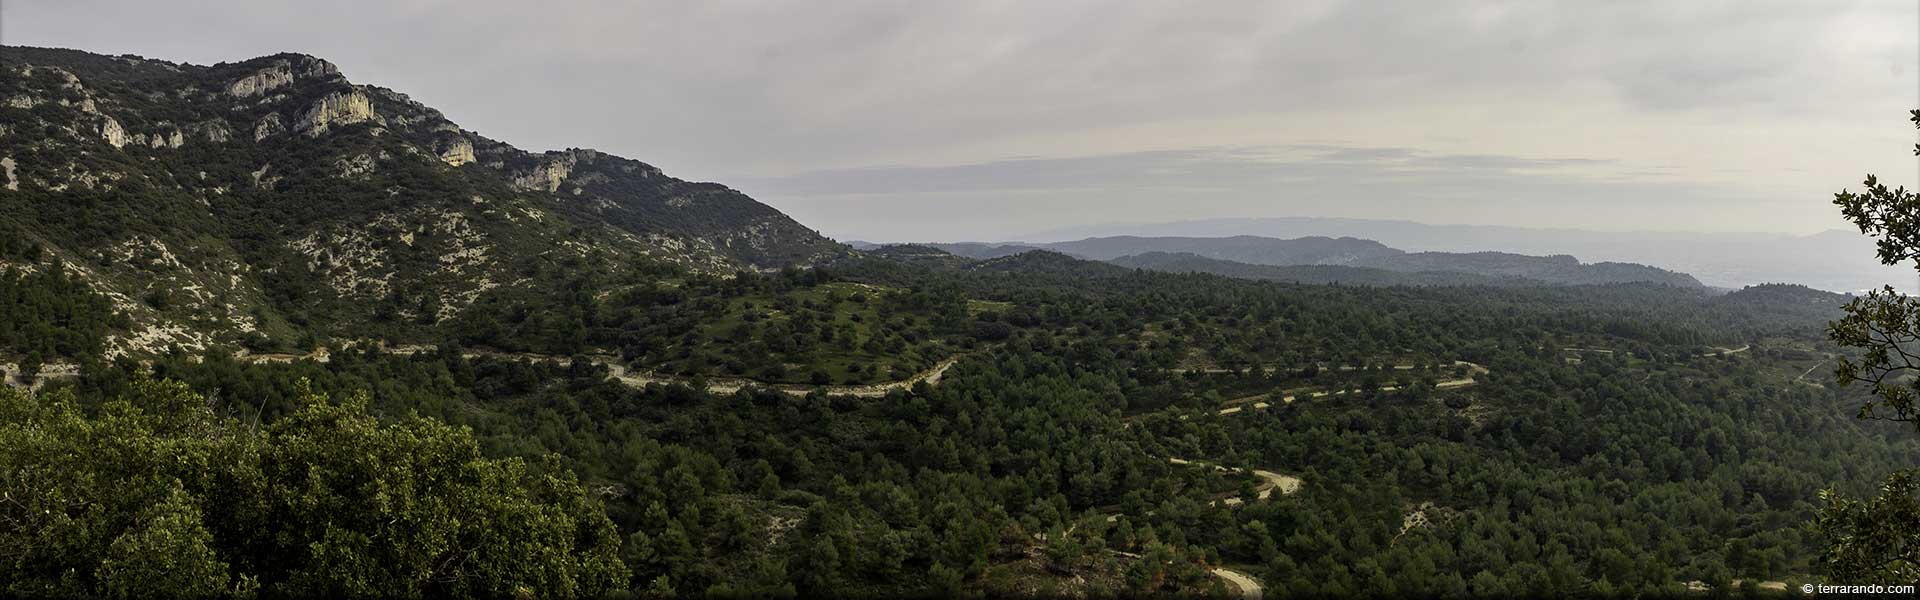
268	331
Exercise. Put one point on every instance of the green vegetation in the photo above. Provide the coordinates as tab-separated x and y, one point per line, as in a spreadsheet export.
797	327
50	314
1874	540
1624	473
157	494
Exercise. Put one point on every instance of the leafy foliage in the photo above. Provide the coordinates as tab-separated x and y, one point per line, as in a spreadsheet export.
1874	540
157	493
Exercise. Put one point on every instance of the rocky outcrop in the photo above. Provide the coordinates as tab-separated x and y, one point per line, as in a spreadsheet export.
455	150
360	164
261	180
158	140
546	177
72	82
316	68
553	170
338	108
215	130
277	76
112	132
268	126
7	165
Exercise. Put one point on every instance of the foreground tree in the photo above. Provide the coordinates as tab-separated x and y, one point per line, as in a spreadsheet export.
157	494
1878	539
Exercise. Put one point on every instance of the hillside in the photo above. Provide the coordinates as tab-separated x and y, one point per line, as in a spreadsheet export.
980	251
1558	269
1471	268
1243	248
1246	249
1835	259
1310	274
1046	262
274	198
1786	302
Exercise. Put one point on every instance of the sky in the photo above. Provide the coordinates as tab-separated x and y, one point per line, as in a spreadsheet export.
893	120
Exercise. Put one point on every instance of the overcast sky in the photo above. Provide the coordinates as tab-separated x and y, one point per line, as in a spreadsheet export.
892	120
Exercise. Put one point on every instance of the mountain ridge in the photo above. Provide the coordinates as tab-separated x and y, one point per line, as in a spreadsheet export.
1481	268
1832	259
215	203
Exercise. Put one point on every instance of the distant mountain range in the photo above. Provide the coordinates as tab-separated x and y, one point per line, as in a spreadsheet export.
1836	260
1333	260
1181	262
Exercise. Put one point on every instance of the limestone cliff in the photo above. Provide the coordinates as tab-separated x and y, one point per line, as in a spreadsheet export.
348	205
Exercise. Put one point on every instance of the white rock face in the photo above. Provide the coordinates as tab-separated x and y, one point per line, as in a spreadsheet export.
112	132
268	126
279	75
215	130
7	165
172	139
455	151
548	176
338	108
260	178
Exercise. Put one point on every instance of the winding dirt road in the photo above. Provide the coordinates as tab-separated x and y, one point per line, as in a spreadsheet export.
1714	351
1249	589
728	385
1262	401
640	378
1269	480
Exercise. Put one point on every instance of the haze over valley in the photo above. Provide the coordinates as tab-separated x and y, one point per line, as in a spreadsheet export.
1722	260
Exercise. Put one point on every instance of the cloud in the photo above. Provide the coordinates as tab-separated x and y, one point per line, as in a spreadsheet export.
978	201
802	99
1216	168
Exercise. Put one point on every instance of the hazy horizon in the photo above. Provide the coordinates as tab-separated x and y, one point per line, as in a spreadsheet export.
988	121
1109	229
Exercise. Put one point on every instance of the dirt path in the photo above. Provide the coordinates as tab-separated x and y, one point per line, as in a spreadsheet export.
1269	480
1713	351
1803	374
1249	589
640	378
1261	401
728	385
1268	370
48	373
